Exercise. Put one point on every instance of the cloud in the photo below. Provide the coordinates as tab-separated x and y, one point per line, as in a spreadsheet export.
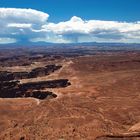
28	25
23	15
7	40
76	28
20	23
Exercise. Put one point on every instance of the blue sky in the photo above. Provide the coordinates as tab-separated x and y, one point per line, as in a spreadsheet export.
120	10
65	21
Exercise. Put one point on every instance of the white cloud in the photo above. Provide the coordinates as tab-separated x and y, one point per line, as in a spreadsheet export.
74	25
7	40
22	15
32	25
20	25
76	28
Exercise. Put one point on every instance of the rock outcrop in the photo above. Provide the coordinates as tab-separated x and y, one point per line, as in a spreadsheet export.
120	137
60	83
37	72
10	86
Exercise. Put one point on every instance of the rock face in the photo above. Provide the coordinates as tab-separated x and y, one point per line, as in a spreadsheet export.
6	76
45	84
10	86
8	89
40	95
42	71
14	89
18	93
37	72
20	75
120	137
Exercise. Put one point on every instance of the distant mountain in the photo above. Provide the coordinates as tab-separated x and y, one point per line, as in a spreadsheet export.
102	45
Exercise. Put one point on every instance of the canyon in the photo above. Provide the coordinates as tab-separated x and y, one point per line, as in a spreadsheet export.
86	94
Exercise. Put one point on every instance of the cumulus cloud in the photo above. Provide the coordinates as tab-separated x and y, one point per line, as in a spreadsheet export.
22	15
33	26
76	28
20	23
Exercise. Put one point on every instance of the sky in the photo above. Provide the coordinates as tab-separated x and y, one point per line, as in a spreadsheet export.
63	21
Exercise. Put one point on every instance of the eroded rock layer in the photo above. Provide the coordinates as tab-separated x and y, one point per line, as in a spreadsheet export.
14	89
10	86
37	72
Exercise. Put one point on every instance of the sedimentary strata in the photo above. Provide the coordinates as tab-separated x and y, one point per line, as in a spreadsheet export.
10	86
37	72
60	83
120	137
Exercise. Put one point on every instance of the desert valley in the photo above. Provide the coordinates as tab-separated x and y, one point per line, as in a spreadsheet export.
65	95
